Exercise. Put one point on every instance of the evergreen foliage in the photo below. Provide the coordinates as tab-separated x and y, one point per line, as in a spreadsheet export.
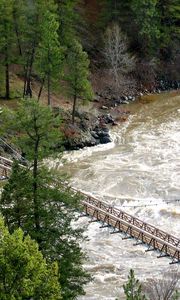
68	20
33	10
147	19
49	52
114	11
151	26
176	295
37	199
41	39
78	73
37	35
132	288
7	40
169	12
25	274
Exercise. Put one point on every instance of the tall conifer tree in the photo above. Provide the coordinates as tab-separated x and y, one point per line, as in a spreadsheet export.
38	200
49	52
78	75
147	19
7	40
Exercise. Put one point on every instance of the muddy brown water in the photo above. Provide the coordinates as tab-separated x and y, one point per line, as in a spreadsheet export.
138	172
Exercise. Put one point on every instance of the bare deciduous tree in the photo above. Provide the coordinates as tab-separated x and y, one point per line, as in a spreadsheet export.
118	59
164	288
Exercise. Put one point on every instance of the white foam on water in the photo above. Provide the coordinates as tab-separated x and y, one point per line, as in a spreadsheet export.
141	167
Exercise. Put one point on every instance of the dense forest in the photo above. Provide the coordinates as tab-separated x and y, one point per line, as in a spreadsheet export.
137	42
80	49
149	32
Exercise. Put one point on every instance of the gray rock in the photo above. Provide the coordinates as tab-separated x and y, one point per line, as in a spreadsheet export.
96	98
94	134
104	107
102	133
108	119
105	140
124	98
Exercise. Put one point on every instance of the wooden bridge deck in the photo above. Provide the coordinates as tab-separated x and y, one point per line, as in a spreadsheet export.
132	227
122	222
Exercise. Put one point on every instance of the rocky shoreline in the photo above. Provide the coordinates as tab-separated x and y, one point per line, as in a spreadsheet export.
91	130
88	131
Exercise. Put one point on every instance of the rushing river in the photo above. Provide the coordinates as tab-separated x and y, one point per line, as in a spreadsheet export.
138	172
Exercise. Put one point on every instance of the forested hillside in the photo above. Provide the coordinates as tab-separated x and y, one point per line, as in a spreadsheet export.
130	43
151	33
55	55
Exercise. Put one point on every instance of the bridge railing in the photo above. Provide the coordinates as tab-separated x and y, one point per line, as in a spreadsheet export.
5	167
6	162
133	220
127	223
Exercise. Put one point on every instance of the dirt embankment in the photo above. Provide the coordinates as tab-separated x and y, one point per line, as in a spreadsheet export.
92	121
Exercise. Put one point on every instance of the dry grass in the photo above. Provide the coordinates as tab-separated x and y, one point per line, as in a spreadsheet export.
59	96
16	87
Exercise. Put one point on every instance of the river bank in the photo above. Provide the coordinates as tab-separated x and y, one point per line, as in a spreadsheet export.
93	123
140	175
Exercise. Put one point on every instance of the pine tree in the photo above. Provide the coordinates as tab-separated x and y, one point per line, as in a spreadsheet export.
7	40
15	215
132	288
34	14
49	53
111	10
19	25
116	11
78	73
147	19
24	272
169	13
31	36
68	19
37	199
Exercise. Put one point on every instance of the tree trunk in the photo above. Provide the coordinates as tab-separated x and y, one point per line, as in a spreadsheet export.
49	88
41	88
25	76
7	84
7	96
35	189
74	107
17	33
28	90
48	79
18	41
18	214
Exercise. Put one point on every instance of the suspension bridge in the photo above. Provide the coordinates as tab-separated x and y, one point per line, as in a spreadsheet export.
5	167
119	221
